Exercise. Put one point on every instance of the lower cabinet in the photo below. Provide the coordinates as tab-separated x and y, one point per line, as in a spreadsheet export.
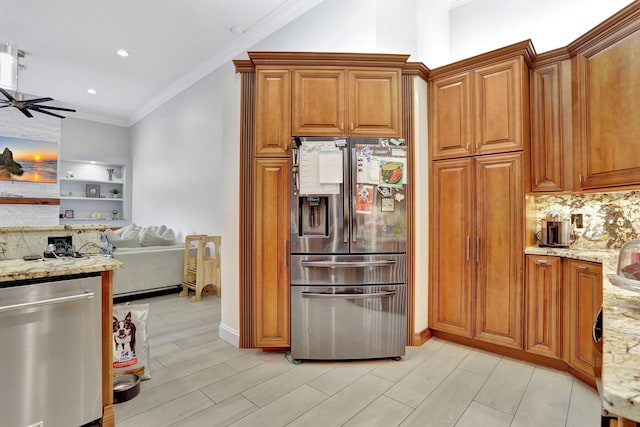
477	273
270	281
583	286
563	297
543	306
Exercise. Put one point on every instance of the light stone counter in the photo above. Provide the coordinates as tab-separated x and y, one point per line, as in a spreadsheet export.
18	269
621	332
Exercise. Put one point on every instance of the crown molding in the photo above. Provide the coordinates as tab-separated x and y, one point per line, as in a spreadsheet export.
275	20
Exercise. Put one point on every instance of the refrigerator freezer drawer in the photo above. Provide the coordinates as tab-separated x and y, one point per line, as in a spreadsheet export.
348	322
337	270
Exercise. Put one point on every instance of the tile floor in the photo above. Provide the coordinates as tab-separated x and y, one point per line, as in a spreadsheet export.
199	380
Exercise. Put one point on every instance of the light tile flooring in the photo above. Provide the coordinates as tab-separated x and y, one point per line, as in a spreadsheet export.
200	380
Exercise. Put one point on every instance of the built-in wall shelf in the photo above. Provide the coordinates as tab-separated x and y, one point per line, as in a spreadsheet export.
86	192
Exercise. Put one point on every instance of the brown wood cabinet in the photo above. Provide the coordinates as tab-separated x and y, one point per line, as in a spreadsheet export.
270	252
583	288
499	247
608	103
452	228
551	149
273	112
338	101
481	109
477	243
543	306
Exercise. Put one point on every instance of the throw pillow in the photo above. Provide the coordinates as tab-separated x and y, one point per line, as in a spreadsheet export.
132	240
150	237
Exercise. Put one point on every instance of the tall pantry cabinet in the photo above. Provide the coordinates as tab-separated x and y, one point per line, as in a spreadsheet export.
479	111
296	94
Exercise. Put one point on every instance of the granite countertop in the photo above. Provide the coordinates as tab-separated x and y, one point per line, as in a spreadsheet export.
621	332
18	269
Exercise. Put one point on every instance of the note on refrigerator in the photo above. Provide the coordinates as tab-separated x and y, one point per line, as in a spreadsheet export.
330	167
310	168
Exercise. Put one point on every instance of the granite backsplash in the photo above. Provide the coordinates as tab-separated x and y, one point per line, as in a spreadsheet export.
609	219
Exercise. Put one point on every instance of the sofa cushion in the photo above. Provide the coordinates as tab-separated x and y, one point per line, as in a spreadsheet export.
131	240
151	237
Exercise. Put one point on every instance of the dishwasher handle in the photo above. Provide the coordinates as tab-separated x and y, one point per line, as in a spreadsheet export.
385	294
58	300
348	264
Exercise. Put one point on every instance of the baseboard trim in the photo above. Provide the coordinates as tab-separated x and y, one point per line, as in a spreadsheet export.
421	337
229	335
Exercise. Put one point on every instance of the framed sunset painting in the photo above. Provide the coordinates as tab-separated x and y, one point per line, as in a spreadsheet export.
28	160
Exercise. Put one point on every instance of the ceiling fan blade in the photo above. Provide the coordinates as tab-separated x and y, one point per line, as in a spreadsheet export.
7	95
45	112
36	100
25	111
53	108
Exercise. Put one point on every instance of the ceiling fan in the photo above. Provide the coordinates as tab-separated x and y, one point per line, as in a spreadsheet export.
9	80
30	104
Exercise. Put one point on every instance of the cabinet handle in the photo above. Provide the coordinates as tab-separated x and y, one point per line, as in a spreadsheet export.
477	248
351	126
541	261
341	125
535	181
468	238
582	267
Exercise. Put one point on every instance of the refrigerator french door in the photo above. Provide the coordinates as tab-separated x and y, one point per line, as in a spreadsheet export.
348	243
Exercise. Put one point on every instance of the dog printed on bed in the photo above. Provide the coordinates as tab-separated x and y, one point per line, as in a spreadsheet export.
124	338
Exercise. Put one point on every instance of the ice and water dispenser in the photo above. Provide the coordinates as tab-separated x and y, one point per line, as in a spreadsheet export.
313	216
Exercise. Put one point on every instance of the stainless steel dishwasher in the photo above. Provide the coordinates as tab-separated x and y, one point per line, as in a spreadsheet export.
51	371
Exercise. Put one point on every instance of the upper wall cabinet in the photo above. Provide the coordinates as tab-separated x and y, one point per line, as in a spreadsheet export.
335	101
481	105
273	111
608	103
551	151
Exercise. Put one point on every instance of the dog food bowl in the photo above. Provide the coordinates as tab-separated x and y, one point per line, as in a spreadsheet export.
125	387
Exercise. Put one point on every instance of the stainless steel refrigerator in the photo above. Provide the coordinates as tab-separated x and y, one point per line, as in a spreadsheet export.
348	248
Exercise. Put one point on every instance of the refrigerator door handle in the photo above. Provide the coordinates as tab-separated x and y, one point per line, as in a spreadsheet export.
385	294
354	179
348	264
345	197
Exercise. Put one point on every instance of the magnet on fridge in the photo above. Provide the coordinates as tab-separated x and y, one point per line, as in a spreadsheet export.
388	205
399	197
384	191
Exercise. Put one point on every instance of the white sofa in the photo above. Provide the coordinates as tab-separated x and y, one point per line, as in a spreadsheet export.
151	268
152	260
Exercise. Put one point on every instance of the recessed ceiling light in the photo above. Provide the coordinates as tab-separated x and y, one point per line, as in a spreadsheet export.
122	53
91	91
236	30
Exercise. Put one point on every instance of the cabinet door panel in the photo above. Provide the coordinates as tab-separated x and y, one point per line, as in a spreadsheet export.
451	117
585	299
273	107
270	255
374	103
609	107
318	102
543	309
500	224
452	265
546	131
500	107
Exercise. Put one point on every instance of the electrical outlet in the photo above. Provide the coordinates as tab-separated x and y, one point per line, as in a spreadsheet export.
63	245
576	220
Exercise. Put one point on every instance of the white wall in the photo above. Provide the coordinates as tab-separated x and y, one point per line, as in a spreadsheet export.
177	154
482	25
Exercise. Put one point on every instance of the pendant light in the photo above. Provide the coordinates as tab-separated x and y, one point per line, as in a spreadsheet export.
8	67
